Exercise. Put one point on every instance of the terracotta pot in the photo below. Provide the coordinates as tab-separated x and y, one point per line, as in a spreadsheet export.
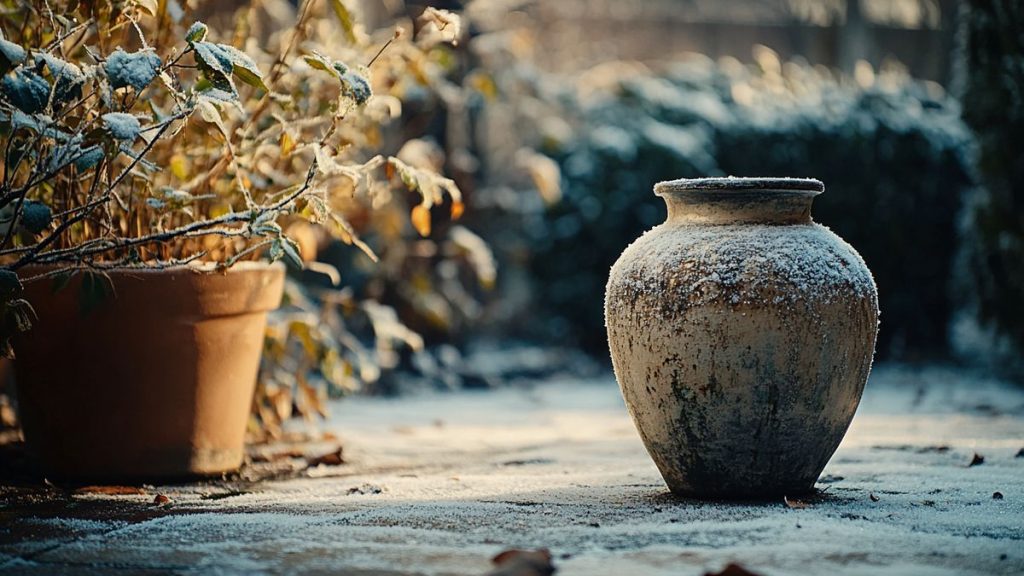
155	382
742	335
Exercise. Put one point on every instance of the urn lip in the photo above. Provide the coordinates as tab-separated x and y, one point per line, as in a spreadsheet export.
794	186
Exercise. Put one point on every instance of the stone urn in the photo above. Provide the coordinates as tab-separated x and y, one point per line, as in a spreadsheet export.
742	335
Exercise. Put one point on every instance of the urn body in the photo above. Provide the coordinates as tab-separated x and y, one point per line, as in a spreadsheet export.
742	335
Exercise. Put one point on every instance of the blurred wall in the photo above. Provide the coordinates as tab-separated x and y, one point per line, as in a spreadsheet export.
577	34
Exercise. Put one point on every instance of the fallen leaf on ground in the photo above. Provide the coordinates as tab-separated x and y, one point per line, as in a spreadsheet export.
516	562
162	500
873	498
732	569
976	460
794	504
111	490
332	458
289	454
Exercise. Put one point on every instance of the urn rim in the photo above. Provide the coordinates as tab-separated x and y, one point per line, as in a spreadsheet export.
798	186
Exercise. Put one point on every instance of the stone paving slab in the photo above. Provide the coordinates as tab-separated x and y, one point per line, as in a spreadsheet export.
437	484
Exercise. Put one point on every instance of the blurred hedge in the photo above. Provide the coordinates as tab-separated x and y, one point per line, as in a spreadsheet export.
892	152
993	96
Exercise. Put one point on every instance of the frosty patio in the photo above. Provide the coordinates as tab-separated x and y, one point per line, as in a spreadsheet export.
438	484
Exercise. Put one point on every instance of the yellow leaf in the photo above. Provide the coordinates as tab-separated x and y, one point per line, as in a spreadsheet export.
457	209
180	166
287	144
421	220
483	84
345	19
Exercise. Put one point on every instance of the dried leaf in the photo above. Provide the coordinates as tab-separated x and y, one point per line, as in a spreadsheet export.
516	562
976	460
111	490
421	220
732	569
332	458
795	504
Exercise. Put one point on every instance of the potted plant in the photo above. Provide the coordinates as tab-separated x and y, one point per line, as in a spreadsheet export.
151	171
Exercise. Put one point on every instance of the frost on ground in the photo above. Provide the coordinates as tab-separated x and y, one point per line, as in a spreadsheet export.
437	484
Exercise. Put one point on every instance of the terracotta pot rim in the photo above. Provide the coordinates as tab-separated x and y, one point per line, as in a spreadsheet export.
192	267
790	186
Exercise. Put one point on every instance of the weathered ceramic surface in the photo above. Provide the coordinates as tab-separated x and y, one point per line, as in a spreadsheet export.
742	335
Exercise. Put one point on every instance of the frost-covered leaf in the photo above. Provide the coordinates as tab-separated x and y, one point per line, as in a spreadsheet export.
345	19
135	69
344	231
21	120
171	199
266	224
10	284
387	326
88	158
291	252
479	254
209	111
356	86
11	55
448	24
67	77
35	216
321	62
243	66
430	185
206	90
216	65
63	155
196	32
26	91
121	125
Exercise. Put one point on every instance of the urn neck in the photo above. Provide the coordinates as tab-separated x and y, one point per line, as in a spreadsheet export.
739	200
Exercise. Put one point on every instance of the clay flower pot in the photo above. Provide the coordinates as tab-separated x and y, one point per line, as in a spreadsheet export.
742	335
155	382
